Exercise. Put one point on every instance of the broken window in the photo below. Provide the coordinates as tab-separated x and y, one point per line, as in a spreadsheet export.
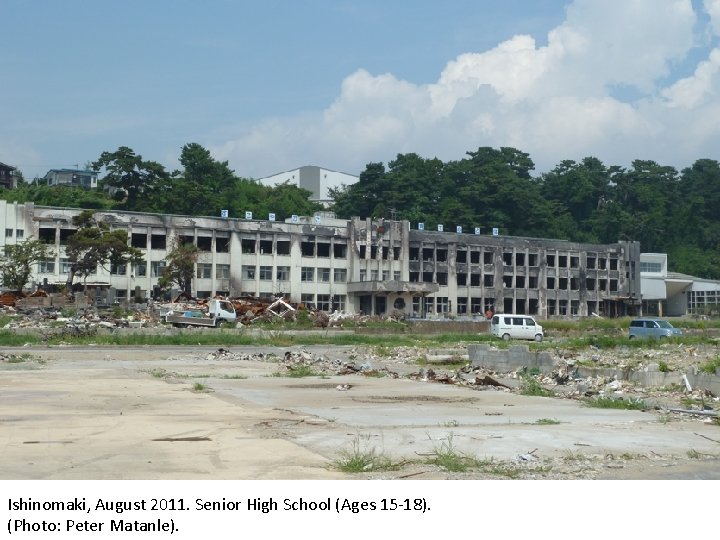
138	240
507	259
613	264
266	246
550	283
204	243
323	249
222	245
185	240
590	284
442	278
474	257
562	261
396	253
339	250
461	256
427	277
520	282
414	277
591	263
519	259
532	259
373	252
476	305
487	257
507	281
489	280
474	280
64	235
602	284
613	285
550	259
574	262
462	279
532	282
563	307
283	247
248	272
307	249
602	263
414	254
45	235
574	284
428	254
563	283
363	251
248	246
158	241
461	303
441	255
283	273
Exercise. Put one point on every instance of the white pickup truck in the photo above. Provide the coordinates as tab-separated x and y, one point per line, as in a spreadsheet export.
217	312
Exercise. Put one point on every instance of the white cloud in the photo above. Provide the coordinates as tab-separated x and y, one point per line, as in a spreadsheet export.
563	100
712	7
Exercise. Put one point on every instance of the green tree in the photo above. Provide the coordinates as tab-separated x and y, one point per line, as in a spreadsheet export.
180	267
93	244
135	177
18	260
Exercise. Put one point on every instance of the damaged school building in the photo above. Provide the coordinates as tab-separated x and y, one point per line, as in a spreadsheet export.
378	267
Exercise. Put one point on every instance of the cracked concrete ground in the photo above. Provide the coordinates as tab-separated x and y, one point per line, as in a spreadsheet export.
177	413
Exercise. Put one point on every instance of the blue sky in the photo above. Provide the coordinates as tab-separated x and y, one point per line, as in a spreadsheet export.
274	85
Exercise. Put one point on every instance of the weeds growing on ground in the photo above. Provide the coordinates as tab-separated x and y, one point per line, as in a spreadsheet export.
531	387
298	371
711	366
447	457
361	457
547	421
199	387
604	402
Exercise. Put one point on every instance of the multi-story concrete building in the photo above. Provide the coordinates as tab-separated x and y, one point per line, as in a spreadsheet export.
71	177
357	265
317	180
8	180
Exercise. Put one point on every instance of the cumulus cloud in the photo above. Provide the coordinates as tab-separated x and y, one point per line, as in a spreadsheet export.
564	100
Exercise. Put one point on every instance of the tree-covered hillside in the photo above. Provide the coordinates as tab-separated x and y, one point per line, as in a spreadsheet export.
587	201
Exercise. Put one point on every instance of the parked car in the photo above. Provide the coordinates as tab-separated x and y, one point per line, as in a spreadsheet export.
652	328
516	327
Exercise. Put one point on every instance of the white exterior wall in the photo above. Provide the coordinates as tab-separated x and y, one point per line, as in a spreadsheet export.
316	179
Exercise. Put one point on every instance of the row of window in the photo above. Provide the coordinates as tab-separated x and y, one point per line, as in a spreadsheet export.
512	259
47	266
514	282
377	275
19	233
325	302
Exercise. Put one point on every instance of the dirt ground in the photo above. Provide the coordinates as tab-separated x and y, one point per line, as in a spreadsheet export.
193	413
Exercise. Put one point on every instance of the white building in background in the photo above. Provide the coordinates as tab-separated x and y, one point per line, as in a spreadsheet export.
673	294
71	177
315	179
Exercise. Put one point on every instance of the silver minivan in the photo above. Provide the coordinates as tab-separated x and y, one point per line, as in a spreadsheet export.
652	328
508	326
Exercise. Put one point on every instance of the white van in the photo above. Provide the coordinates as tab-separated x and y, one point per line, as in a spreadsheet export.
509	326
